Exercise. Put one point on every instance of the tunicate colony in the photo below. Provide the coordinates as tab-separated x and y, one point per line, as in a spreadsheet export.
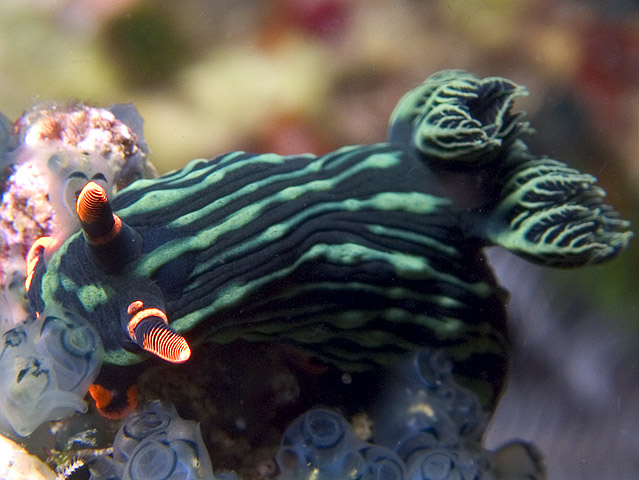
429	428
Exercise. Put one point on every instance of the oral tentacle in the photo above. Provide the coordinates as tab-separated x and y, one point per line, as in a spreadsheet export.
33	257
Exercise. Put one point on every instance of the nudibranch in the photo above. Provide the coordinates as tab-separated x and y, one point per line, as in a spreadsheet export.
357	256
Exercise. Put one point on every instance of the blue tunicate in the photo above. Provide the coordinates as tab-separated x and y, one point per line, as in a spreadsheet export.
424	408
415	443
430	369
46	367
154	443
382	464
428	428
467	414
320	439
322	445
413	422
443	464
152	460
103	467
322	429
143	424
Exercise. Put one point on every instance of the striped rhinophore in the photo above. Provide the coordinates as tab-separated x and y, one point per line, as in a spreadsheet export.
357	256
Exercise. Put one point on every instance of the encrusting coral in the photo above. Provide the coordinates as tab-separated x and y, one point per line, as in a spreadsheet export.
357	257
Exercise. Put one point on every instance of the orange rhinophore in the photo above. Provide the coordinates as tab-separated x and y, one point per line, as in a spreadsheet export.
149	328
166	344
99	223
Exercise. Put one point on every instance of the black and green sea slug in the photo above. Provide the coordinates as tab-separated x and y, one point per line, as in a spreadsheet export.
357	256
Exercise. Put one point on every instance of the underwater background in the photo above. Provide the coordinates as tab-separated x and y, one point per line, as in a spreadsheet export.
293	76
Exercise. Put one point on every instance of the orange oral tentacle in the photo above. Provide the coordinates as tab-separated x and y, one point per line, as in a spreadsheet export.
103	398
33	256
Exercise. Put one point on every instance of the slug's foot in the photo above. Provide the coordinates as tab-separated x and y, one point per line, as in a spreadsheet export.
457	119
555	215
